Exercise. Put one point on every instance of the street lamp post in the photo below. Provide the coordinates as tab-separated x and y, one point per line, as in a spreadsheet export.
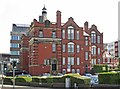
2	71
13	76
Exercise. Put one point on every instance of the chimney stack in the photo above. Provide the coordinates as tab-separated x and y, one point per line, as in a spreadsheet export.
58	18
86	25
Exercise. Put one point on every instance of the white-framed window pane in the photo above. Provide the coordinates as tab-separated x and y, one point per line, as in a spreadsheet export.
45	62
93	61
48	62
64	71
63	47
53	47
86	41
78	36
93	50
70	33
78	70
98	39
70	48
86	55
69	61
40	33
73	70
63	61
63	34
93	37
78	61
78	48
54	34
103	60
72	60
108	60
98	61
98	50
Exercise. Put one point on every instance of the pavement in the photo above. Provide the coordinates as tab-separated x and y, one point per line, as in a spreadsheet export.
21	87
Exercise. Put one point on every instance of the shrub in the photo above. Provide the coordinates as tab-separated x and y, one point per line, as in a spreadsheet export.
58	79
76	78
43	80
35	79
100	68
23	79
20	80
109	78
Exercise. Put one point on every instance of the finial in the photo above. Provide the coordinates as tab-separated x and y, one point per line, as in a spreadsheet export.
44	8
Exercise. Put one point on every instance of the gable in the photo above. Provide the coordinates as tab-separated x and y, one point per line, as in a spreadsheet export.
72	23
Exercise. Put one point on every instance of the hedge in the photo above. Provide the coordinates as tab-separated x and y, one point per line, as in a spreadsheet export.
100	68
109	78
58	79
8	80
49	80
74	78
23	79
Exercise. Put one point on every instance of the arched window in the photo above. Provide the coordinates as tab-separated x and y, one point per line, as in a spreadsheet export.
70	47
70	32
93	37
93	50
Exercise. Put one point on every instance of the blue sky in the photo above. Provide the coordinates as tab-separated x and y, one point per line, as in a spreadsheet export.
102	13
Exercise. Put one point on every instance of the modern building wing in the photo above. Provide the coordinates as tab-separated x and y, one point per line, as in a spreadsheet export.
16	33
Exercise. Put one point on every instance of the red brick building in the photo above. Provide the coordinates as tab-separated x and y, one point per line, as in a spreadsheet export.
56	47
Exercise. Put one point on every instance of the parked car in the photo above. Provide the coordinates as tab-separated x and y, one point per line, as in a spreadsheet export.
24	75
59	74
45	75
88	74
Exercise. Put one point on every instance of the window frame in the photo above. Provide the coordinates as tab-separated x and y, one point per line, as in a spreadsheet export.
71	47
78	35
71	32
53	47
93	37
41	33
